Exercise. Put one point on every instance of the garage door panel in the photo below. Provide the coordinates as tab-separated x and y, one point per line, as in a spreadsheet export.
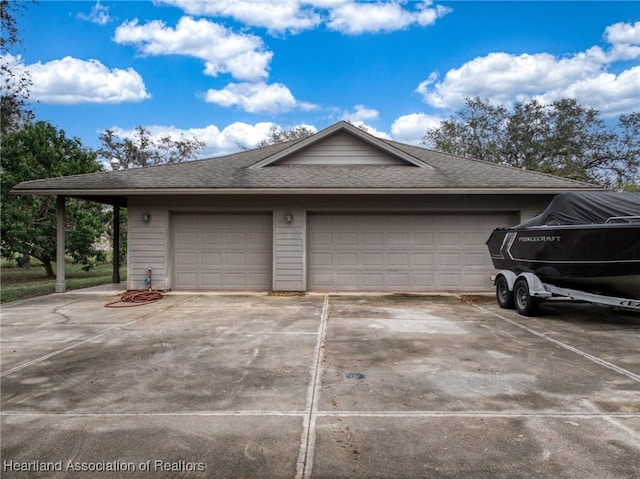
235	239
254	239
322	259
398	239
398	280
347	259
259	259
211	259
211	280
474	259
211	238
403	252
449	239
234	280
426	239
373	280
321	238
258	280
372	259
235	259
188	238
423	281
448	280
348	281
187	259
447	221
448	259
423	259
398	259
222	252
348	238
474	280
186	278
322	280
376	238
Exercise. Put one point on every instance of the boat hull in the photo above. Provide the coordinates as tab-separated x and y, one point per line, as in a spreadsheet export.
599	258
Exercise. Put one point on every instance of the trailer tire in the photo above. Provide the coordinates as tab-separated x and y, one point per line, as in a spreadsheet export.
504	295
525	304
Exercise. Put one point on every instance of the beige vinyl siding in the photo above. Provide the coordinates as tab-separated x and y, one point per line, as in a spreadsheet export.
289	250
147	247
342	149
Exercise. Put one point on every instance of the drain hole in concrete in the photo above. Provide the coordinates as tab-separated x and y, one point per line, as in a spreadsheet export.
354	376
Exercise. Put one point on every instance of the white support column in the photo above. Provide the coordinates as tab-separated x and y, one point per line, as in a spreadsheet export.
61	286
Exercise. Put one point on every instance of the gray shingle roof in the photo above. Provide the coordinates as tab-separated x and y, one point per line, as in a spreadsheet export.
233	172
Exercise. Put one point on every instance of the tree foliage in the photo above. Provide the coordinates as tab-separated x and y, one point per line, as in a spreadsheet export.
16	82
28	223
563	138
278	135
142	149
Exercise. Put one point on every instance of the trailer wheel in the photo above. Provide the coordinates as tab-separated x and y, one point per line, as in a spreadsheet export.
525	304
503	294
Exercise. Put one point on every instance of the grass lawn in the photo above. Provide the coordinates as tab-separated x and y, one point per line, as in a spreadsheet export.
18	283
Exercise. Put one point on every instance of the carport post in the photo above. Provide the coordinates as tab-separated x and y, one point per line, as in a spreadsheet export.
116	243
61	286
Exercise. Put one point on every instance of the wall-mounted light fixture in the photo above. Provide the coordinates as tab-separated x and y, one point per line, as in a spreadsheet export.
146	217
288	218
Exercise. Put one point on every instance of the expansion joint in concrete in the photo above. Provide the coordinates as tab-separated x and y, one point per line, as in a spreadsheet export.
308	440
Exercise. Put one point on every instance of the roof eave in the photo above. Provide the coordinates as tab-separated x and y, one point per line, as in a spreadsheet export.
105	193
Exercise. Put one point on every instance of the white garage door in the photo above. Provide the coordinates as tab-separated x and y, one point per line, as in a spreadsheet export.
222	252
401	252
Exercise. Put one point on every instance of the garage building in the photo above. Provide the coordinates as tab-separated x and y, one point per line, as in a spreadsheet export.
341	210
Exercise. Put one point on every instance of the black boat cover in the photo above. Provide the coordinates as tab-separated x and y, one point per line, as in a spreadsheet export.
586	208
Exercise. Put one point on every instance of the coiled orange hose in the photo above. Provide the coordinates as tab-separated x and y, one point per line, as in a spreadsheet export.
135	298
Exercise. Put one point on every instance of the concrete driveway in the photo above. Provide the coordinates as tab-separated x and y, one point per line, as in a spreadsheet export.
336	386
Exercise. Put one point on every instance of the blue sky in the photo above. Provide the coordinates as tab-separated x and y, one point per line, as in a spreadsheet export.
226	71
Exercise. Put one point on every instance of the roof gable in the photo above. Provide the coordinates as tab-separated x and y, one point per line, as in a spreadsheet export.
341	144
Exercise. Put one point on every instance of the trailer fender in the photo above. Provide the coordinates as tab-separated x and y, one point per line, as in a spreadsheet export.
509	276
536	287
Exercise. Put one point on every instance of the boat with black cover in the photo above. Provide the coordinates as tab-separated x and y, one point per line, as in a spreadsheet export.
587	241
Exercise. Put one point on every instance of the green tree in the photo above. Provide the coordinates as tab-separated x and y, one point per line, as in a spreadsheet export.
278	135
563	138
16	81
142	149
28	223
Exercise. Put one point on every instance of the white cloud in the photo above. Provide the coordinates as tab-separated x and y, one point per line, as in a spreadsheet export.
623	33
241	55
99	14
347	16
361	113
502	76
232	138
610	94
257	98
355	18
505	78
71	80
412	128
275	15
625	38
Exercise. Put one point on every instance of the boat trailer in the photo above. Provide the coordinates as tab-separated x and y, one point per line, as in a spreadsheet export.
524	292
